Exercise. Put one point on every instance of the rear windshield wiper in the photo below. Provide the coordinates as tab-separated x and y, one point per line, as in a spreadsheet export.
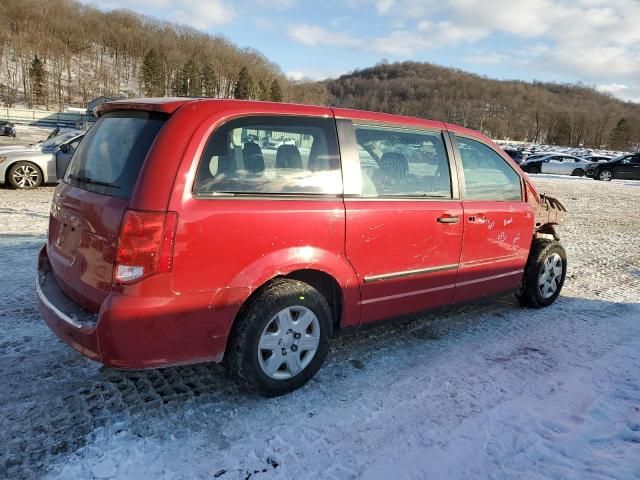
91	181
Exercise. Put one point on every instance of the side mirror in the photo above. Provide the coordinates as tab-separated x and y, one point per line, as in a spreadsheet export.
64	148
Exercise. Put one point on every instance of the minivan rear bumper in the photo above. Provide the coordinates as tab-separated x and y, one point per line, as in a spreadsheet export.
134	332
68	320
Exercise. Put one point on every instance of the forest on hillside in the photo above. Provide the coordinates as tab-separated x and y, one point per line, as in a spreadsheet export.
60	52
558	114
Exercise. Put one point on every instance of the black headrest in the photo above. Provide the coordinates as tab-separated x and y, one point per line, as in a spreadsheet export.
253	158
226	164
288	156
394	164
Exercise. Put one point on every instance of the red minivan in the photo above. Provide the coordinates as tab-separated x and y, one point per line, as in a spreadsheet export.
191	230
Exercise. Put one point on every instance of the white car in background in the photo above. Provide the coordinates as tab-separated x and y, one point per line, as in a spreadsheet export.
46	162
556	163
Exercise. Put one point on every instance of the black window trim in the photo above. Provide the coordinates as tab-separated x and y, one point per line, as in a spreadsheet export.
456	151
266	196
352	175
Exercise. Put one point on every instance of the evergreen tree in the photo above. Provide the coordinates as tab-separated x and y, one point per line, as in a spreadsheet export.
188	81
244	85
620	137
152	74
209	81
38	79
275	92
263	91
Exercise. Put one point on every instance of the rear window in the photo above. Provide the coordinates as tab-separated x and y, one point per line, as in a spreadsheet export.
109	158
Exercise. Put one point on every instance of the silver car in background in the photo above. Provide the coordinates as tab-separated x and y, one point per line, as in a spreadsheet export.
31	166
556	163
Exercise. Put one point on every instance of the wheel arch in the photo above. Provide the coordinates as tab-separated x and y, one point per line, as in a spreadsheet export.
342	297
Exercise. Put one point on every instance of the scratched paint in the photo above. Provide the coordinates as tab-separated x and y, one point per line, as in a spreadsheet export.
516	239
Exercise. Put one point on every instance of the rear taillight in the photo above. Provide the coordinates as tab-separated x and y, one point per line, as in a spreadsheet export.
145	245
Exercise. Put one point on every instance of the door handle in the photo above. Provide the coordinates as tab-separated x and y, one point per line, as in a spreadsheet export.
448	219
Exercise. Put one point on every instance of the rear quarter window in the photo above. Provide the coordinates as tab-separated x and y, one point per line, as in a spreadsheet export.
271	155
109	158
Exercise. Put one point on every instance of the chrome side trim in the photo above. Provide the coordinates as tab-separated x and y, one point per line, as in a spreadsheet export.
436	289
407	294
493	277
409	273
489	261
52	307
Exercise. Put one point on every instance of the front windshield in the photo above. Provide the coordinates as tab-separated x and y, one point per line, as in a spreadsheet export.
621	157
55	141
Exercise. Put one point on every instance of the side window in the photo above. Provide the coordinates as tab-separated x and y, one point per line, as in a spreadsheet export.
487	176
402	163
271	155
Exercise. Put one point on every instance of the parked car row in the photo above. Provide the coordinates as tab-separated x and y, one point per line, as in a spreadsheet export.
600	165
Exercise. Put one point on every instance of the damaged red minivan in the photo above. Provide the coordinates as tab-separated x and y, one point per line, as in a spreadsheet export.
191	230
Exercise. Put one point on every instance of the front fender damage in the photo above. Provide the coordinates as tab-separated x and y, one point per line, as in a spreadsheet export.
548	215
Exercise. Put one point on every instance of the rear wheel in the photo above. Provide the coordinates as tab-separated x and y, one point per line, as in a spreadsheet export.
578	172
533	170
605	175
24	175
544	274
281	338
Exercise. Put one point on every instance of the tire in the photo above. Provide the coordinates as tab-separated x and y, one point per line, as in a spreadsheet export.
578	172
260	322
533	170
543	265
24	175
605	175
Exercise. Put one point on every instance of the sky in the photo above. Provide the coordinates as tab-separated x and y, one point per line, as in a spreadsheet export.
596	42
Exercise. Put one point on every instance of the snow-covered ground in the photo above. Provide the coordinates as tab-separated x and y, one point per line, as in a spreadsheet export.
490	391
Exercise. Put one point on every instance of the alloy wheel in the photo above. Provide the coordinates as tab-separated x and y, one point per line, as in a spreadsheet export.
605	175
26	176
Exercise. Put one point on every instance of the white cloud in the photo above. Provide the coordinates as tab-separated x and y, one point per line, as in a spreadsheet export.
277	4
489	58
313	35
621	91
203	14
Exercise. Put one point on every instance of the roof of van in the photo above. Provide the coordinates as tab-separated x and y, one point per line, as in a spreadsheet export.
171	104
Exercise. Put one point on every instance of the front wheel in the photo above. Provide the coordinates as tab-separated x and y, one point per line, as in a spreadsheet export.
281	338
24	175
578	172
605	175
544	274
533	170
